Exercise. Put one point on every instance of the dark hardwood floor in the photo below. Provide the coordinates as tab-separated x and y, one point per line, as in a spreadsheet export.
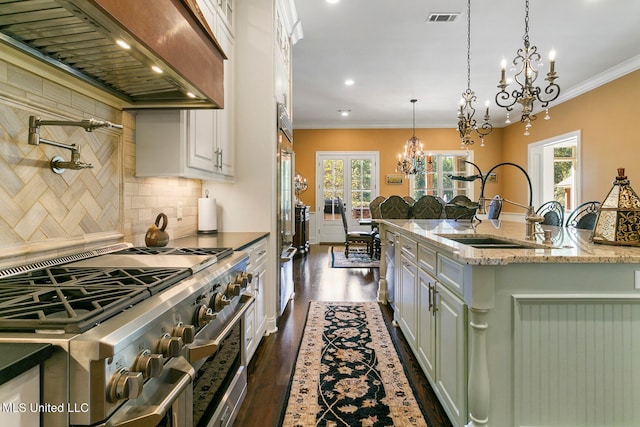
271	367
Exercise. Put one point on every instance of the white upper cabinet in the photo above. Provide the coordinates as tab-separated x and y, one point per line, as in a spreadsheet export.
225	118
287	33
283	59
196	144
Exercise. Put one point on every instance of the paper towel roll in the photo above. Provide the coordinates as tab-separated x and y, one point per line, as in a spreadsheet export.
207	216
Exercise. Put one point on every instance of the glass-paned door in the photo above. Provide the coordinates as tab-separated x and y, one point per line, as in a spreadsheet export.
350	178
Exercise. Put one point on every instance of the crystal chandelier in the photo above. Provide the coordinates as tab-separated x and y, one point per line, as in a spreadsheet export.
300	184
467	125
526	63
412	162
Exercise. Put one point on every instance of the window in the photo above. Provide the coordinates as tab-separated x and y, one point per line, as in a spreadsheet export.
554	167
437	182
564	173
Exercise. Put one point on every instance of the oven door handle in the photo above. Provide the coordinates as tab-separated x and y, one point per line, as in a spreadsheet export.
157	401
290	252
197	352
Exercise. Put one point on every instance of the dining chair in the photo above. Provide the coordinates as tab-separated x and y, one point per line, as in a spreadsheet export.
409	200
354	237
584	216
374	207
427	207
395	207
495	207
552	212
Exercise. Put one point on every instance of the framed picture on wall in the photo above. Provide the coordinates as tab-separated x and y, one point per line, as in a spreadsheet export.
492	178
394	178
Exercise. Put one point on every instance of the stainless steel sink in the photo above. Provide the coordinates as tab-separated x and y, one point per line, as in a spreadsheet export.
487	242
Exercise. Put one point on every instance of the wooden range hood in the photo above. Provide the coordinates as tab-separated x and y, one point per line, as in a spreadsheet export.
79	37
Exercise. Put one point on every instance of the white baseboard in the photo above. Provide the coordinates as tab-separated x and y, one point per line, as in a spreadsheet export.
313	230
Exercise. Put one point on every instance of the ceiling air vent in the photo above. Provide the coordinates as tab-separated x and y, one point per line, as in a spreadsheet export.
442	17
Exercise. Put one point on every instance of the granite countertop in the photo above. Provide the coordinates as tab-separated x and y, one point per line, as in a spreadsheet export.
237	240
569	245
17	358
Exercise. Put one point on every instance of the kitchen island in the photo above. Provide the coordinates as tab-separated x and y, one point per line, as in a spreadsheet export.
522	333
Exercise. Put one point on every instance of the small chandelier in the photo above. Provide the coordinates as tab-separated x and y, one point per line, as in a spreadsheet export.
467	125
527	62
300	184
412	162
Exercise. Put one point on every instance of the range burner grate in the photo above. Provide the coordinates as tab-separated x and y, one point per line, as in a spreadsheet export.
74	299
141	250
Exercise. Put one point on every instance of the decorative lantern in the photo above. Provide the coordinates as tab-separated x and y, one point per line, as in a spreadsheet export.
619	218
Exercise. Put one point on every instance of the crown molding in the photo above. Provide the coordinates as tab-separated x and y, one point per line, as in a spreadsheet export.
613	73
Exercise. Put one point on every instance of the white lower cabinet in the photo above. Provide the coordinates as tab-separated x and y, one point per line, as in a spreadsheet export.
426	324
433	320
451	354
407	302
255	318
19	396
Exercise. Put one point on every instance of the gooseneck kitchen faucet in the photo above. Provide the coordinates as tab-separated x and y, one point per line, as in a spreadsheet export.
531	218
58	165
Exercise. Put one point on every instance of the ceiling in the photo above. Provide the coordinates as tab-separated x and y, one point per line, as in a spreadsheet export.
394	55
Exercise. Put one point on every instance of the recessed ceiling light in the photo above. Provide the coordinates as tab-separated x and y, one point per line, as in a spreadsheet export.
123	44
344	113
333	1
349	82
156	69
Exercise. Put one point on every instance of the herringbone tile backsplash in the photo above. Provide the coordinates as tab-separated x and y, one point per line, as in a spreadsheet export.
39	204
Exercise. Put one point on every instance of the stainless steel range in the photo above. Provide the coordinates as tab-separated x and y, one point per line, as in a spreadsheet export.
142	336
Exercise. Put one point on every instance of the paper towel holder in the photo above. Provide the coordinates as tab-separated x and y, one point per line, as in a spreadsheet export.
207	215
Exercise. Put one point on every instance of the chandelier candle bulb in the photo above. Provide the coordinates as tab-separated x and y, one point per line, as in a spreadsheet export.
552	62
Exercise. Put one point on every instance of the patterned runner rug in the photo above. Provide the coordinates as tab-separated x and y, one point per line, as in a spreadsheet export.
348	372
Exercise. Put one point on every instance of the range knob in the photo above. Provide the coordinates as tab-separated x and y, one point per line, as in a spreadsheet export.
241	280
219	302
170	346
149	364
248	276
204	315
233	290
186	332
125	385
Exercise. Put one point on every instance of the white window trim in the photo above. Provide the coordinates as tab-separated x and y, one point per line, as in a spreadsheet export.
536	164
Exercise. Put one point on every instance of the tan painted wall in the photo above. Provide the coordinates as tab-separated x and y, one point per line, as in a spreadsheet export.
606	117
389	143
